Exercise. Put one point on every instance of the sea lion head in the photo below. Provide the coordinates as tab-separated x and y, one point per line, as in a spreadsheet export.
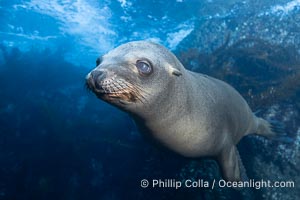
135	76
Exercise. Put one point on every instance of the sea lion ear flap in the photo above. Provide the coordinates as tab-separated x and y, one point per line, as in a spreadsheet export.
173	71
176	72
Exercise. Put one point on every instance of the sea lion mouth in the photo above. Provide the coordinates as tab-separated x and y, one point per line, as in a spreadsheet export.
114	89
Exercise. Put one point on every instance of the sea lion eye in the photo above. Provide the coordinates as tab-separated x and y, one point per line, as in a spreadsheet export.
143	67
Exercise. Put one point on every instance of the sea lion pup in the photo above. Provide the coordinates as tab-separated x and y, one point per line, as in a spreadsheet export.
190	113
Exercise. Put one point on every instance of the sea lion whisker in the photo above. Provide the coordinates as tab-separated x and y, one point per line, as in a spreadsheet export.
141	89
114	86
135	87
136	91
133	91
138	98
140	92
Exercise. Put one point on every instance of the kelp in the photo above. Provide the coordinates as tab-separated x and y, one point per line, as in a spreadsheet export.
264	73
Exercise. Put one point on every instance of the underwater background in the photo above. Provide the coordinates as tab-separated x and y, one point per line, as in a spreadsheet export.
58	141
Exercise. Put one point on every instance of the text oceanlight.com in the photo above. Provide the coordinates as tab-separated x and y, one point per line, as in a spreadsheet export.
200	183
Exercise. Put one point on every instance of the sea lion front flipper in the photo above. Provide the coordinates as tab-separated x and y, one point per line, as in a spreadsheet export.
243	173
231	165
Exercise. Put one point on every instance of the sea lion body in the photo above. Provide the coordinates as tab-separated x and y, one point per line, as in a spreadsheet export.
209	114
190	113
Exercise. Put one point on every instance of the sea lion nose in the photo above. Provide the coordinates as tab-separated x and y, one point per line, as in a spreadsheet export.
97	76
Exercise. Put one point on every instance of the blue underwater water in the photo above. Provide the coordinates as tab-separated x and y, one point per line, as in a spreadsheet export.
58	141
